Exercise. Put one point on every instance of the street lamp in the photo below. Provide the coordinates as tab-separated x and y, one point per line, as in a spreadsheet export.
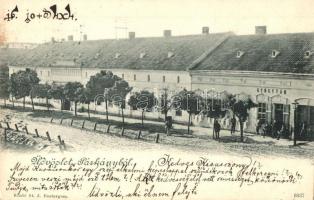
295	106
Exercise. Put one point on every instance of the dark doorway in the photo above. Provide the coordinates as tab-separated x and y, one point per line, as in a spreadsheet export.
305	119
278	112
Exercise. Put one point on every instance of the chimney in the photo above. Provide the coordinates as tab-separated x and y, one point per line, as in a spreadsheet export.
84	37
131	35
70	38
167	33
205	30
260	30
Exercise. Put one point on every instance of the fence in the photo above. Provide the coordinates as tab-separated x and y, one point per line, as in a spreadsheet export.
105	128
24	130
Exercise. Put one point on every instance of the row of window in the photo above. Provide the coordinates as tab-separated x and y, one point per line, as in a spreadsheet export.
271	90
149	79
67	72
48	73
281	111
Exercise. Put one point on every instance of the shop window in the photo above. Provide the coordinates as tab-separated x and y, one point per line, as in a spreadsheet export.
178	79
261	111
148	78
163	79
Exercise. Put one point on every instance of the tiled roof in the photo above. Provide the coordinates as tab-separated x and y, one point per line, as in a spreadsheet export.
7	54
124	53
257	50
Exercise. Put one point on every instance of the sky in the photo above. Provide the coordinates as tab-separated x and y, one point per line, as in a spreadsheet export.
98	18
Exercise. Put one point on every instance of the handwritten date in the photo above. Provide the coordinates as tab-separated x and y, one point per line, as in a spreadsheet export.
51	13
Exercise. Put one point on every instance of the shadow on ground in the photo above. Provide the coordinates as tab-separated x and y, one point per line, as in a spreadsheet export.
237	139
150	127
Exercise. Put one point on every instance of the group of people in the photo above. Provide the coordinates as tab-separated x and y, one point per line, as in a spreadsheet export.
217	127
275	129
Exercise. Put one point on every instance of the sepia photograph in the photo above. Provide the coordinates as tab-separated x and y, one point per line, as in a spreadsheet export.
156	99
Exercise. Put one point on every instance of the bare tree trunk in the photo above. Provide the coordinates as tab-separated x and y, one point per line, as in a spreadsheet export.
241	129
143	117
122	116
32	101
88	111
23	102
12	102
47	103
61	100
214	132
189	123
107	111
75	107
166	112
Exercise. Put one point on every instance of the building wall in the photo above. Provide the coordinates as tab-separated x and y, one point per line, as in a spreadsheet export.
269	88
174	80
262	87
158	81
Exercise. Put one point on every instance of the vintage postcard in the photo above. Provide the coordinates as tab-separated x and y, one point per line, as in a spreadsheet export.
157	99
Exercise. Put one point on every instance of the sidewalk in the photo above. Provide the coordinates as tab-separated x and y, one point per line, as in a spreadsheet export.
196	131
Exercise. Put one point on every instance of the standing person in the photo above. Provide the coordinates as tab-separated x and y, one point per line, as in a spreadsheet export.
267	127
303	130
258	126
217	128
280	131
167	126
274	128
263	129
233	124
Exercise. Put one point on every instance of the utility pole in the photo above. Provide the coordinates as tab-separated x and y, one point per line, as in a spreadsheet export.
295	106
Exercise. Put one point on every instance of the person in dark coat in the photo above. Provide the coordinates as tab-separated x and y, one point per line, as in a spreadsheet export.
233	125
303	130
258	126
268	129
280	131
275	128
217	128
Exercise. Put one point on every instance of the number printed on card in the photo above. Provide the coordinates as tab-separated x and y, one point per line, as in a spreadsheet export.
298	195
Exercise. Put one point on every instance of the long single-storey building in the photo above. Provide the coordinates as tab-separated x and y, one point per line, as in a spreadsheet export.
275	70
